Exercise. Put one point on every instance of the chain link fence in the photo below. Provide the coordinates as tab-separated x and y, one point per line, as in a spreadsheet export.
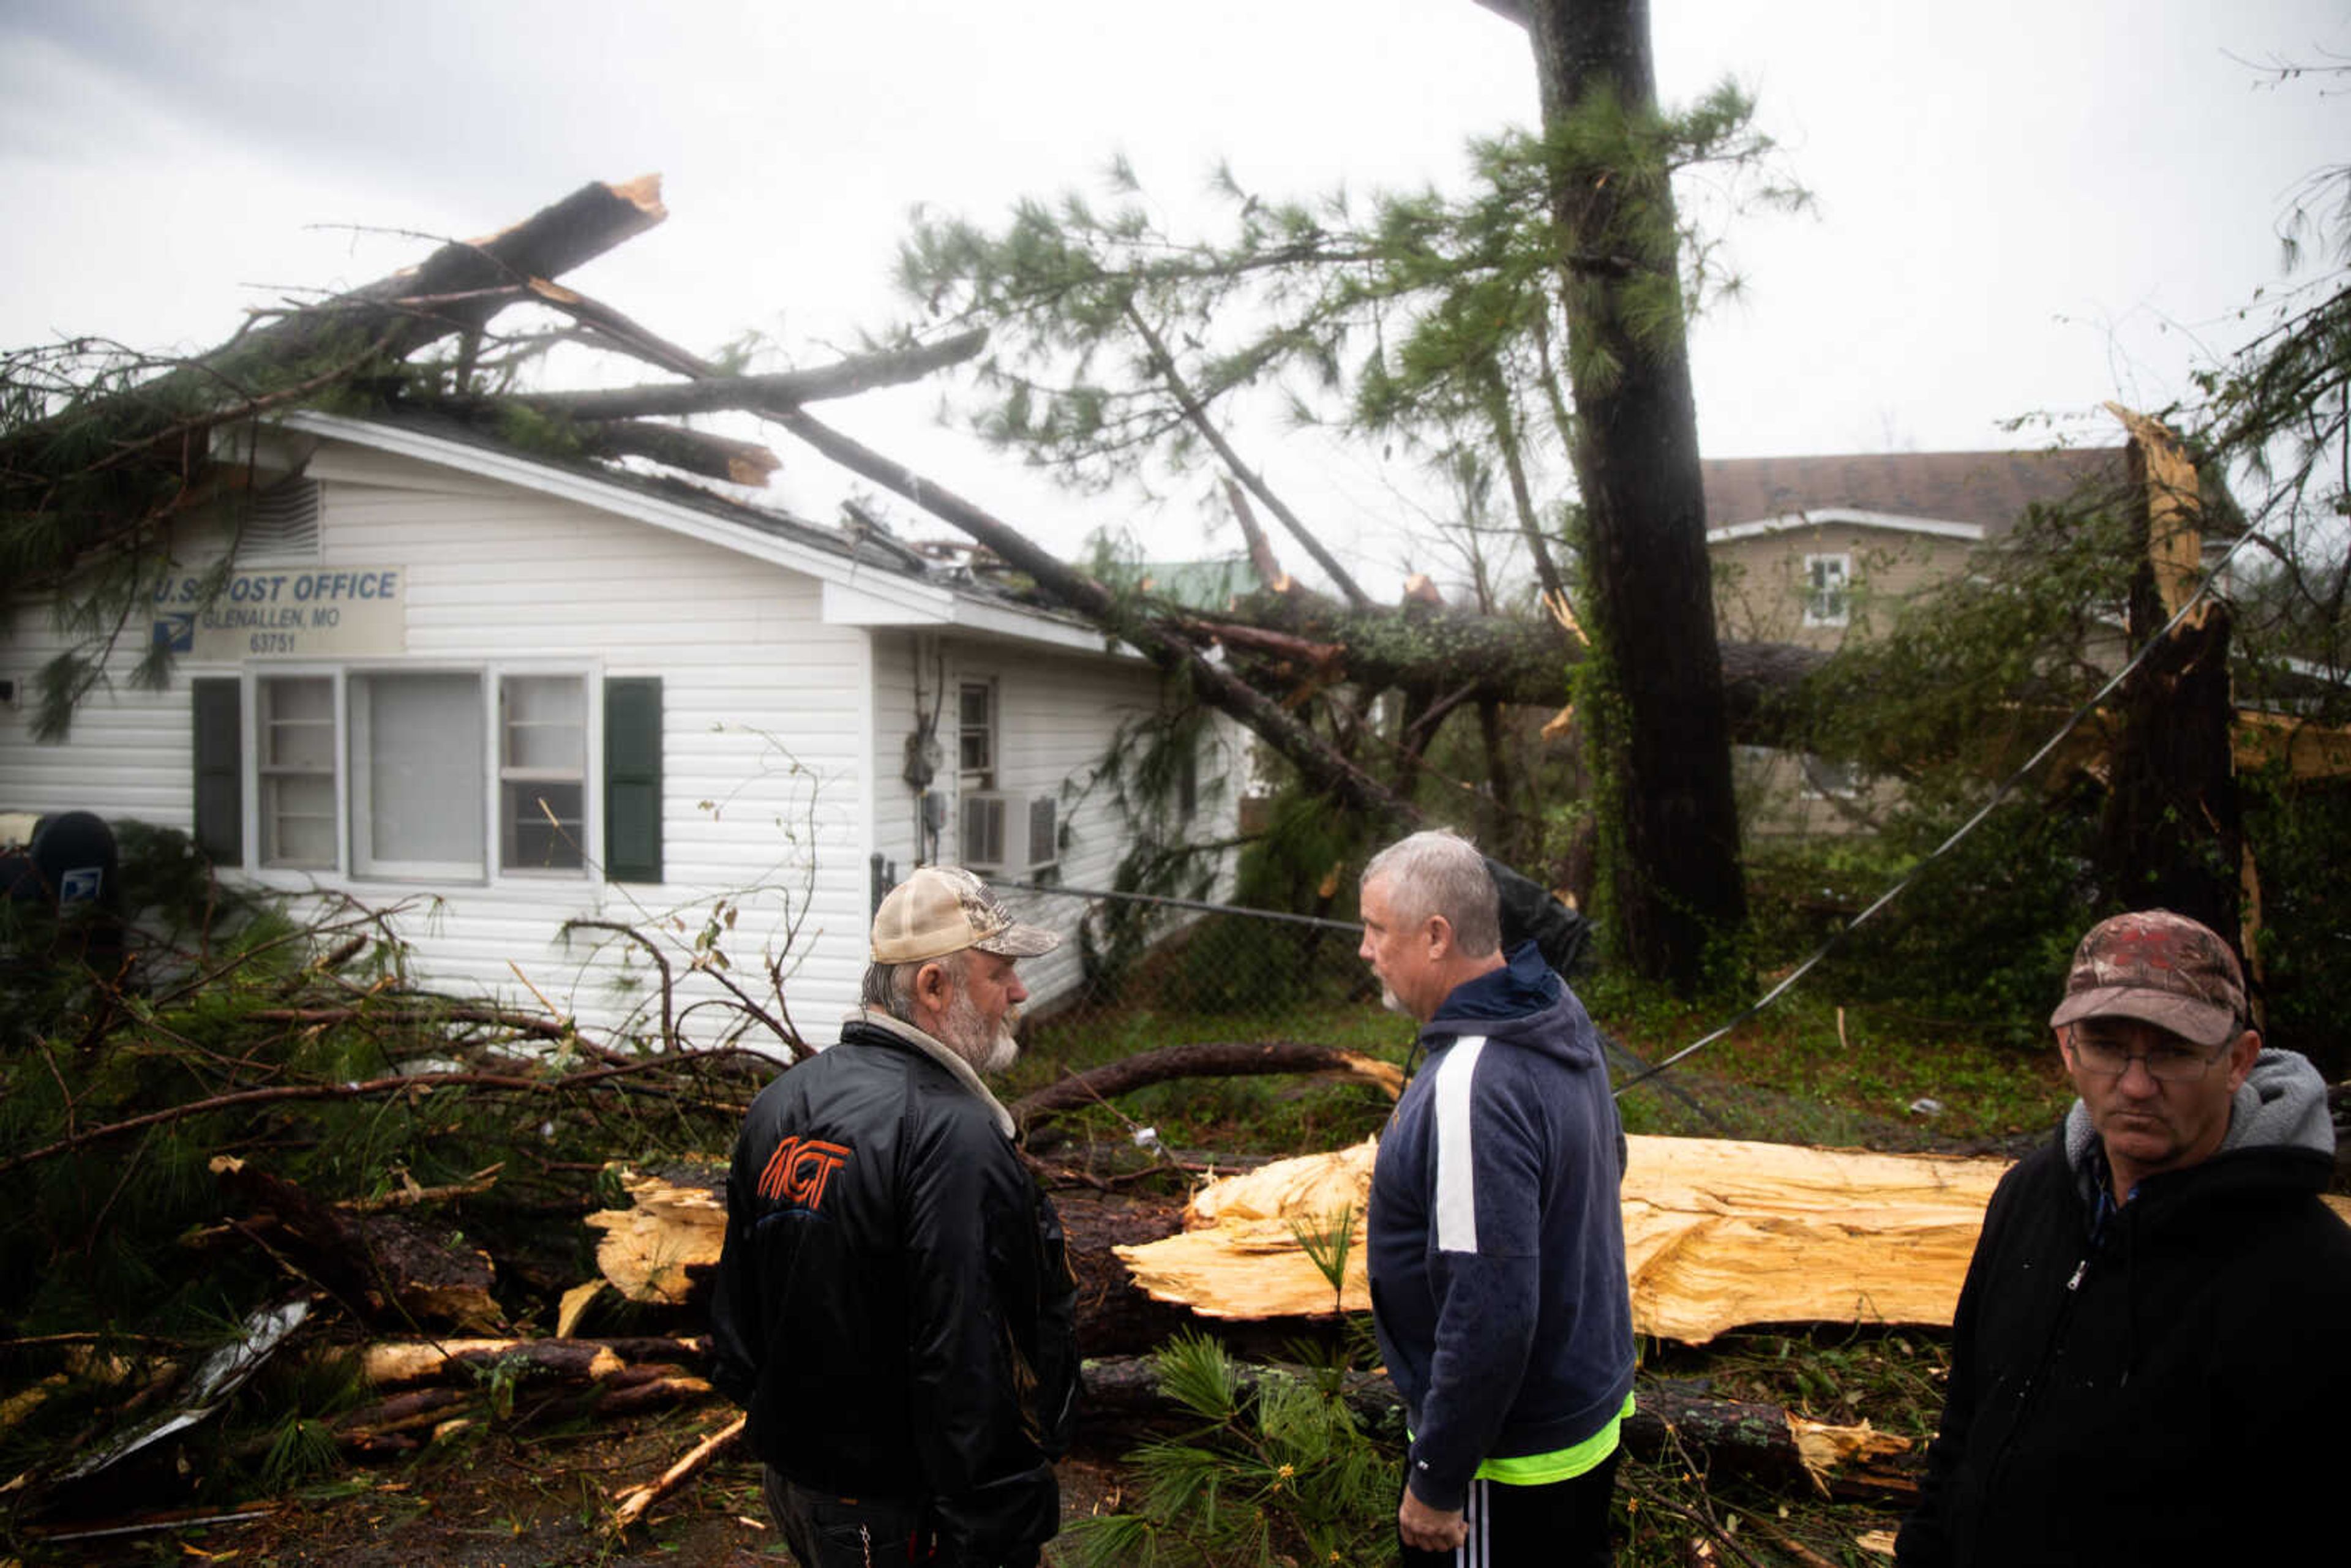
1219	965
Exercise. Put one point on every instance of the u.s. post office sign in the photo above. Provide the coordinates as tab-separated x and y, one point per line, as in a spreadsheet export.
304	612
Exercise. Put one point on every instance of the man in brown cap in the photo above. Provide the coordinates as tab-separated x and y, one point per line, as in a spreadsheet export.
894	1304
2153	1314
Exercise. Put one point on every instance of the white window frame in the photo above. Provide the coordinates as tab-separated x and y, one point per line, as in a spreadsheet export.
991	732
505	773
1828	603
258	759
350	786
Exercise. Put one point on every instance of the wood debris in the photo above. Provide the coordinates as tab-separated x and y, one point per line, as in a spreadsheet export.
660	1250
1718	1233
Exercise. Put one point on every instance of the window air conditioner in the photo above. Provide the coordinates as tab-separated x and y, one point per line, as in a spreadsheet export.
980	842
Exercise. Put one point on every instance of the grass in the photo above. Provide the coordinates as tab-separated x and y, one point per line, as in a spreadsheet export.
1806	1070
1809	1070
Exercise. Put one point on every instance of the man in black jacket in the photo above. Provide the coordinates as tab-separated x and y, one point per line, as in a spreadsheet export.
2145	1363
894	1307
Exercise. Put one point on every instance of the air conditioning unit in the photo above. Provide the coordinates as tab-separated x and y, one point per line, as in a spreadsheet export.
980	840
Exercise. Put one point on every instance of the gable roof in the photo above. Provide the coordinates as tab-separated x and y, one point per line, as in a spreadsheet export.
865	581
1983	492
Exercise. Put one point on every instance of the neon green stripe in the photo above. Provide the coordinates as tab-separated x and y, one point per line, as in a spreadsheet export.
1560	1464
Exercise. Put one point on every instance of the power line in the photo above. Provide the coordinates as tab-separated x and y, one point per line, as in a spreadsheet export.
1787	983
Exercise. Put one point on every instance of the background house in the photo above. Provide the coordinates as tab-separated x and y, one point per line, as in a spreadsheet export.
1815	550
494	693
1806	549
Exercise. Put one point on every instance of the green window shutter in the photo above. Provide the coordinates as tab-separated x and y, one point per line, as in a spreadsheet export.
632	778
220	771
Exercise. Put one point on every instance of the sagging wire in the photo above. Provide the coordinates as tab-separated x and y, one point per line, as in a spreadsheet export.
2007	786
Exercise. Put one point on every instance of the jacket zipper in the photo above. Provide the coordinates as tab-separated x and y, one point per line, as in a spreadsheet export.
1996	1470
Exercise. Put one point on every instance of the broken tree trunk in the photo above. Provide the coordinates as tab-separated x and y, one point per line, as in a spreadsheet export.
1717	1234
2173	836
457	288
382	1266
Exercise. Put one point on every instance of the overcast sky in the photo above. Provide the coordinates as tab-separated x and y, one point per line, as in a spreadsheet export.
2023	207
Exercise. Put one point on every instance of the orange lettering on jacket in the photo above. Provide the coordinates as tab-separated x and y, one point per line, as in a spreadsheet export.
799	1168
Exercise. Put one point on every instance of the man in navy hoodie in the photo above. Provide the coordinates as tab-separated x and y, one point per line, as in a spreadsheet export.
1497	1245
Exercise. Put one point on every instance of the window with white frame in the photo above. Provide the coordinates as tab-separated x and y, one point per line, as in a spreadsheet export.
1826	581
408	785
542	772
295	734
975	733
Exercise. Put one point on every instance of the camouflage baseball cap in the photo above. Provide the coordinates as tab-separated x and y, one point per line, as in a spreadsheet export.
2161	968
944	909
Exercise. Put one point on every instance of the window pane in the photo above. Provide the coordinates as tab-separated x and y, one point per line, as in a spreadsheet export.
297	820
417	751
298	723
976	739
296	739
531	843
546	723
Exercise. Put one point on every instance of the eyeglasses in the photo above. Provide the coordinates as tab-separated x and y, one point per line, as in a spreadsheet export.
2169	1061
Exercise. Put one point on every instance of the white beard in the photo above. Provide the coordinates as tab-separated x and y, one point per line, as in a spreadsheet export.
966	1033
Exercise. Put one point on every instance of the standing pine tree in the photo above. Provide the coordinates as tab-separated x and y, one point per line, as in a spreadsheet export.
1676	869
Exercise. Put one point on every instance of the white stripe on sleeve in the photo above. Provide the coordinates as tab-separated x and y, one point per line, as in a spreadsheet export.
1456	1182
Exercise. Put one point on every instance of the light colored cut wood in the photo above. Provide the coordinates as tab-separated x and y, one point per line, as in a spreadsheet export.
1718	1233
648	1247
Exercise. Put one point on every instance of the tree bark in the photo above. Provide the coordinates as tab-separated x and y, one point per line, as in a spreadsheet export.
382	1266
2173	836
1677	875
691	451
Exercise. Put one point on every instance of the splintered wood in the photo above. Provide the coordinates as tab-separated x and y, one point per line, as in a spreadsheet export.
655	1250
1717	1234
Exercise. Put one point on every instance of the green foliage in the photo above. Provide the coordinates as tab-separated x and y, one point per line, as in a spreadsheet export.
1279	1469
229	1032
1122	344
2305	941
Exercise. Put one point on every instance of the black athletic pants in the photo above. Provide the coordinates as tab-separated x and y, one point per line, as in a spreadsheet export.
1561	1525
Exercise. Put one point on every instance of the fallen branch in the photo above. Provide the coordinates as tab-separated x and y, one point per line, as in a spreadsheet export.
692	451
714	393
630	1505
416	1083
403	1363
1213	1060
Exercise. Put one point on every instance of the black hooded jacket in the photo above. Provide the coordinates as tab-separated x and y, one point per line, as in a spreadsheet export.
2161	1384
894	1305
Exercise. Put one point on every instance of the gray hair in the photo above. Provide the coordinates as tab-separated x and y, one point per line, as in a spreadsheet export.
1441	873
890	987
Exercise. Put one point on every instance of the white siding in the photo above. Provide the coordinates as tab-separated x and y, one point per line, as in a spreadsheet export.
1056	717
897	684
783	745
